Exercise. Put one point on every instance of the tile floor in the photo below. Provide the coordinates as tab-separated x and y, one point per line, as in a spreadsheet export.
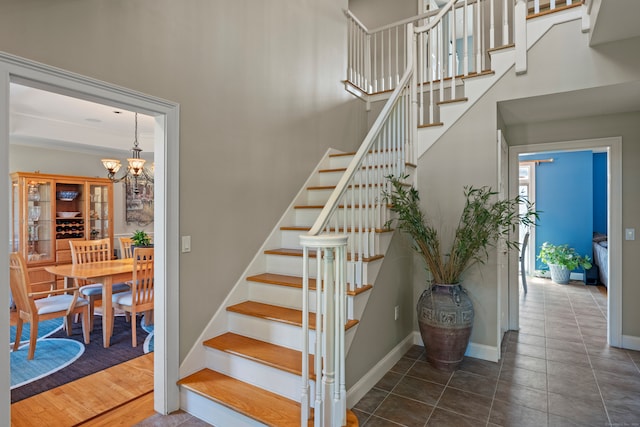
556	371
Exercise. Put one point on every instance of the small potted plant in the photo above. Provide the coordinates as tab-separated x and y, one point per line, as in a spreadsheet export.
140	239
561	260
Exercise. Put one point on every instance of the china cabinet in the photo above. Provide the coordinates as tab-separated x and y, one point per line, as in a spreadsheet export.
49	210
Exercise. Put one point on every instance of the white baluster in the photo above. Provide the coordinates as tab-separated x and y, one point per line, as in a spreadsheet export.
454	54
492	30
304	400
465	38
505	23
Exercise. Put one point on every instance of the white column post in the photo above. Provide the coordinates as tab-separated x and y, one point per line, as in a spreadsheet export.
520	27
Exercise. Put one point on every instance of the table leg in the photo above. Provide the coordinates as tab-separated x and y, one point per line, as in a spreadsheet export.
107	318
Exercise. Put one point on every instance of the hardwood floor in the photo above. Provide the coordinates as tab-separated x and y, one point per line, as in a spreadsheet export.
120	395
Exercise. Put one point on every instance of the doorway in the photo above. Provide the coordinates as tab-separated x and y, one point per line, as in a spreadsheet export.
166	143
613	147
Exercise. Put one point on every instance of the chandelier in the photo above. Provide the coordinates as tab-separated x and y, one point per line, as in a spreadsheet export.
135	169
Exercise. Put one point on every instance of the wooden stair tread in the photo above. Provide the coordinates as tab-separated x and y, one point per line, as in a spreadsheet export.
256	403
290	316
452	101
312	254
251	401
296	282
263	352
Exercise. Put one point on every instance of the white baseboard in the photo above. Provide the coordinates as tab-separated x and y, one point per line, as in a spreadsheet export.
631	342
481	351
375	374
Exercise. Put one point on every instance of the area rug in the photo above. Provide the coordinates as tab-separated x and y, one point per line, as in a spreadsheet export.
60	359
45	328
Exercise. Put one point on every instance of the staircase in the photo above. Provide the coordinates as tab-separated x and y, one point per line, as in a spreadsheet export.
253	360
258	363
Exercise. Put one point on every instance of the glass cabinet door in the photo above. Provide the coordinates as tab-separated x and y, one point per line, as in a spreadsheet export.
99	199
36	220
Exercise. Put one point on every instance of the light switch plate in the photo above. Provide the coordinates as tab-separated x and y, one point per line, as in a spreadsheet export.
629	234
186	244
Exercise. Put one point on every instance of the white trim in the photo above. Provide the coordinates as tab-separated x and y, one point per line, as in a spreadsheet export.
375	374
482	351
5	370
630	342
166	150
613	146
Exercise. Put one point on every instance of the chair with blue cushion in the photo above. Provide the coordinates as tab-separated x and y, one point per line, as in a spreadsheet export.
32	307
86	251
140	298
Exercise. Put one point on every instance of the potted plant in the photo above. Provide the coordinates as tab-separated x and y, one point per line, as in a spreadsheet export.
140	239
445	312
561	260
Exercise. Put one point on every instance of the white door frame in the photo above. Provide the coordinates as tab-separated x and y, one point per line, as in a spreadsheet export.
613	146
166	113
502	253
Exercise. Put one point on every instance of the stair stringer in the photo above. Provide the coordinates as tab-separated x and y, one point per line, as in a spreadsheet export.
502	60
218	324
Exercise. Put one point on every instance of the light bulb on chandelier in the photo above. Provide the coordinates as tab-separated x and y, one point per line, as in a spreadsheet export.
135	169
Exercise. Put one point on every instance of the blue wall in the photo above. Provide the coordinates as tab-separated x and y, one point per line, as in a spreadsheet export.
600	192
564	194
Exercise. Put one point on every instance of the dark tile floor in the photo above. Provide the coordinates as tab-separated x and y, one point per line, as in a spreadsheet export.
556	371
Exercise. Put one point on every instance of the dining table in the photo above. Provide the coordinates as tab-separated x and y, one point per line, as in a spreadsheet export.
105	272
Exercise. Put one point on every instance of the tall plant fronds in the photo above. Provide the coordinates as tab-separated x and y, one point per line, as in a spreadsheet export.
483	223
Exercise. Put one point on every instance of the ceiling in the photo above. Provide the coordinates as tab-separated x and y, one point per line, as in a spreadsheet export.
43	118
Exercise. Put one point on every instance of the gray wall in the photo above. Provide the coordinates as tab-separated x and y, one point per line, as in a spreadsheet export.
375	13
260	97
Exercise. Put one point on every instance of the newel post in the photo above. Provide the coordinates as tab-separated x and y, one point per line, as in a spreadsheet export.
331	290
520	35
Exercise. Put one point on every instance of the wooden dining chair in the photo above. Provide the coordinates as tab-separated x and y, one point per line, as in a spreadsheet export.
86	251
140	298
125	247
32	307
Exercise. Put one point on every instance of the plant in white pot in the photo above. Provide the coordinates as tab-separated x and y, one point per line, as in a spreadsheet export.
445	312
561	260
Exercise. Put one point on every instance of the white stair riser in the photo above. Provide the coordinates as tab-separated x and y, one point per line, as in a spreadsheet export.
288	296
329	178
319	197
290	265
278	333
307	216
255	373
212	412
336	162
282	334
291	238
357	273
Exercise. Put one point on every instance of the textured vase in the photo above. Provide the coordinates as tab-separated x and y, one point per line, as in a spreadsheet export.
445	318
559	274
